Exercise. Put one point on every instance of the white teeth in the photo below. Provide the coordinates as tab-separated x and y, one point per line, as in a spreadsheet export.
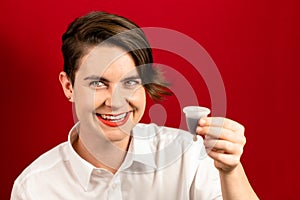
114	118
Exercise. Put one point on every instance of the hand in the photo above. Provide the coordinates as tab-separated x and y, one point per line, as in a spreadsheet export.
224	141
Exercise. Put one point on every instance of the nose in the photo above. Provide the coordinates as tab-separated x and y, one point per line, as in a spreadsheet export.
116	98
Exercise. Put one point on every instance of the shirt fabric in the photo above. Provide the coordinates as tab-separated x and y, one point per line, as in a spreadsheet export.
161	163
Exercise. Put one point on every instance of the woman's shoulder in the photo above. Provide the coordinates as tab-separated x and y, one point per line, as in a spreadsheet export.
44	162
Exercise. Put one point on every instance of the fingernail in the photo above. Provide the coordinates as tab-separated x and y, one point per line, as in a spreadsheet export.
202	121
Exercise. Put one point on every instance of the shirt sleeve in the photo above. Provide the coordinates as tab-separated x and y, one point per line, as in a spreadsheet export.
206	183
18	192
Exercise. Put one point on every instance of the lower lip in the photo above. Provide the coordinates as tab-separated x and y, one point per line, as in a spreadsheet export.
112	123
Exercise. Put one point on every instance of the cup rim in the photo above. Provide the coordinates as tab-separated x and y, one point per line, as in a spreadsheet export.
188	109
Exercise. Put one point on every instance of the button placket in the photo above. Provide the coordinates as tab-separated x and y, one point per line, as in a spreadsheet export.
114	187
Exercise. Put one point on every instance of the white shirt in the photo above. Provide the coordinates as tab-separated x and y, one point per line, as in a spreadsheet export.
162	163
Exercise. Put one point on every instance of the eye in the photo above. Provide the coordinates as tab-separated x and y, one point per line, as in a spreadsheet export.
132	83
97	84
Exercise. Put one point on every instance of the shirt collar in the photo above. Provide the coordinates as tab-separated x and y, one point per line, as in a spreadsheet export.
139	151
82	168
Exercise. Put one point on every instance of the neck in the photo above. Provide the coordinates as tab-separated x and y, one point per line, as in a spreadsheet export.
107	155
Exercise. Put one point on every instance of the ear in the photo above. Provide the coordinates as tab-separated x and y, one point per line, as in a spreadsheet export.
66	85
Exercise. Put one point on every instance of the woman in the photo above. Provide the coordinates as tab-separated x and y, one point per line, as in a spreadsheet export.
109	154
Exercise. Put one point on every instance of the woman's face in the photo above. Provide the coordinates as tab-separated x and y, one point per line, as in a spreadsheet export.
108	94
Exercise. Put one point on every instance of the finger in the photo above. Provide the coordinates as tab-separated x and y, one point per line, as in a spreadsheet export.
226	159
221	133
223	146
221	122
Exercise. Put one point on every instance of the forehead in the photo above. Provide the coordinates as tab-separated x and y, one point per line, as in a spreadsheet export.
106	60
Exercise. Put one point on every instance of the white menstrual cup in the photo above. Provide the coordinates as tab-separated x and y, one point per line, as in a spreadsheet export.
192	115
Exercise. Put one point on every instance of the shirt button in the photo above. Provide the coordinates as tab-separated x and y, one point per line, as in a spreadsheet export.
114	186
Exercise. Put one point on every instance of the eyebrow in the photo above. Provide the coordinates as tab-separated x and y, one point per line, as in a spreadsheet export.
98	78
130	78
95	78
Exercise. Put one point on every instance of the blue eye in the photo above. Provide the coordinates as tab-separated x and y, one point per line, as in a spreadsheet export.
97	84
132	83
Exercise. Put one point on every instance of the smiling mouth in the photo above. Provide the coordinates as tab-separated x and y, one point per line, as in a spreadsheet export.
113	120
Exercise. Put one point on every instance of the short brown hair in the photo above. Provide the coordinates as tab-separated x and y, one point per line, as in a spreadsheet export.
97	27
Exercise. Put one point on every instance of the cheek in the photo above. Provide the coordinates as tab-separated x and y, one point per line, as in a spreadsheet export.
98	99
84	100
138	99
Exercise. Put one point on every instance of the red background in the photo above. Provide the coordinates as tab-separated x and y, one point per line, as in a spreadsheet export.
255	45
